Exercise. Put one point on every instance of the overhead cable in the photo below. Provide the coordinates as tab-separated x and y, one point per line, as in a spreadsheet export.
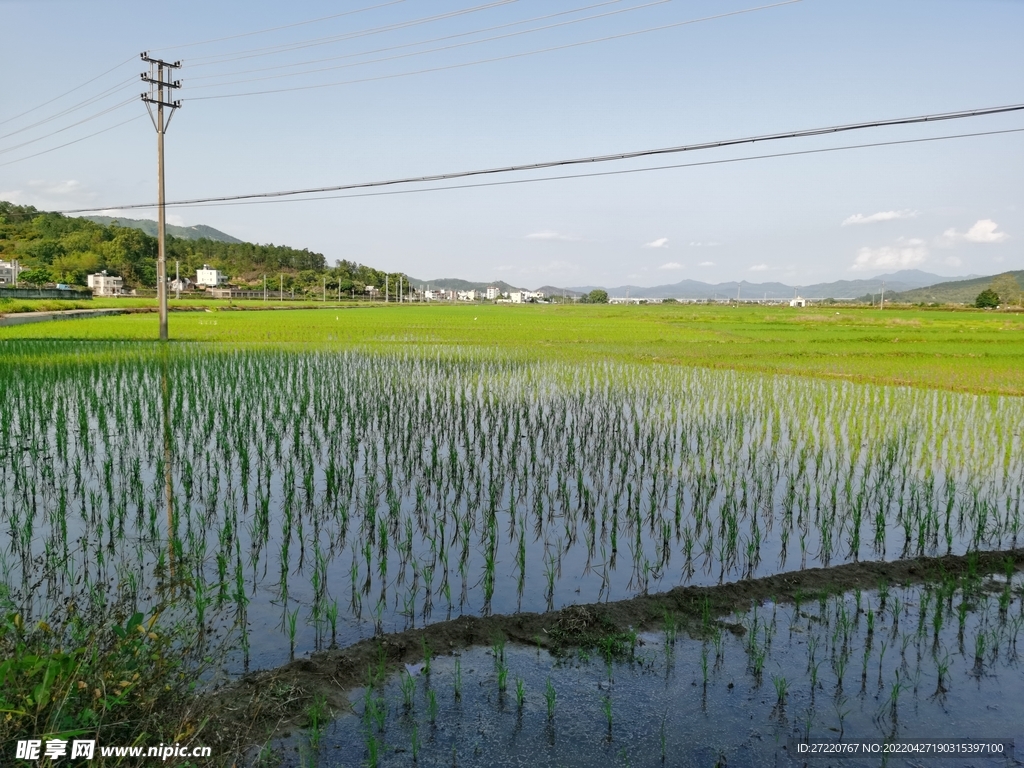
505	57
620	172
68	144
206	61
428	41
805	133
61	96
277	29
429	50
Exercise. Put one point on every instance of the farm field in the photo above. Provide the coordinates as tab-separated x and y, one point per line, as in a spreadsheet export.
660	526
959	350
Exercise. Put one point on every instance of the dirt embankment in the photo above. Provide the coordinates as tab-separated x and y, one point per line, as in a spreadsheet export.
267	702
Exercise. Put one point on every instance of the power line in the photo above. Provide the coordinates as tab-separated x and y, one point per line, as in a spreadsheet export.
272	50
68	144
74	107
501	58
124	103
566	177
806	133
428	41
61	96
432	50
277	29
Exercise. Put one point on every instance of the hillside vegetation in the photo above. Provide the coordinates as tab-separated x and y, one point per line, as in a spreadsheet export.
197	232
61	249
964	291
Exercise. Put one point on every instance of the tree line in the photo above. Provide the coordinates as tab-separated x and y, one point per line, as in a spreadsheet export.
60	249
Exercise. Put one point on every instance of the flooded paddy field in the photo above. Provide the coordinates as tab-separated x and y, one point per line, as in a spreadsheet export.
291	502
932	662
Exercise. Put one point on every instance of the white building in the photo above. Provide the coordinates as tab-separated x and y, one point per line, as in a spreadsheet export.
799	301
492	293
440	294
103	284
210	277
9	270
516	297
468	295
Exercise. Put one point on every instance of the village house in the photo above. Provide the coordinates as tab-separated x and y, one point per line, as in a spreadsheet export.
210	277
103	284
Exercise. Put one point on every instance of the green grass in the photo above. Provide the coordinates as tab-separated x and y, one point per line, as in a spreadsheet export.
10	306
958	350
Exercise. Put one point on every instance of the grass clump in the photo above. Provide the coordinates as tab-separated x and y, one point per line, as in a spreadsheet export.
101	674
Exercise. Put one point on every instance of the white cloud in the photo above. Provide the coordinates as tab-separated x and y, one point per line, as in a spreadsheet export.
760	268
907	253
558	266
661	242
68	188
706	264
859	218
548	234
983	231
711	244
49	195
952	261
671	265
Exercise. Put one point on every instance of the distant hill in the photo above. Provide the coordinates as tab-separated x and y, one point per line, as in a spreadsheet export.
197	232
951	292
553	290
454	284
904	280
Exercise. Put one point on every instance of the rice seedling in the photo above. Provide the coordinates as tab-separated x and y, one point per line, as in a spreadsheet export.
316	714
292	618
520	692
502	677
549	697
371	469
781	688
408	685
414	742
427	655
431	706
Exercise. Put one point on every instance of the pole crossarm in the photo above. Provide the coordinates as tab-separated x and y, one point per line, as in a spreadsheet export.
165	83
168	104
170	65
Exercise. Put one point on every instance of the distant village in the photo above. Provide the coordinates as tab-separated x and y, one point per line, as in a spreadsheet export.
214	284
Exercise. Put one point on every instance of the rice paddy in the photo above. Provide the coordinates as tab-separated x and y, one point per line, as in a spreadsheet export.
885	665
290	500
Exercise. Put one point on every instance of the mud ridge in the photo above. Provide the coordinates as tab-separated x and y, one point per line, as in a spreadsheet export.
262	704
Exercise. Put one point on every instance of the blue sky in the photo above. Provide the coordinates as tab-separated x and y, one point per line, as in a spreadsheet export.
951	207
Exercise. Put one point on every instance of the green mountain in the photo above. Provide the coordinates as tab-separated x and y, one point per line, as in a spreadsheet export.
198	232
953	292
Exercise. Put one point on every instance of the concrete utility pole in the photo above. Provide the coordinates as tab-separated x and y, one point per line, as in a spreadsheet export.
160	95
881	304
177	278
264	288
